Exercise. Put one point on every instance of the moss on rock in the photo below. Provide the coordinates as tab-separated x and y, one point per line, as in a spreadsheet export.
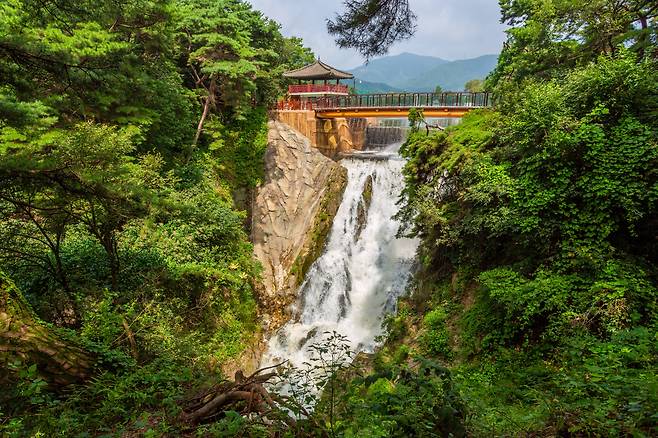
323	222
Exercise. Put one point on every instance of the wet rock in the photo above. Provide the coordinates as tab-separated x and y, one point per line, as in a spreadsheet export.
292	215
363	207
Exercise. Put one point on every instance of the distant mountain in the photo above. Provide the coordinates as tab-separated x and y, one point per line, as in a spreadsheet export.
366	87
398	69
452	76
409	72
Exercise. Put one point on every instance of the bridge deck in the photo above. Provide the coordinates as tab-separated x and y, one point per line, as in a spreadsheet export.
393	112
399	104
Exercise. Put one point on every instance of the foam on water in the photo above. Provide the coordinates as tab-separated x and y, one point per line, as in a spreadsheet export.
363	270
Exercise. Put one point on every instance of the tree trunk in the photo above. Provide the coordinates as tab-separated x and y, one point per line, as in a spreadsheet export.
114	265
210	99
24	338
644	36
110	245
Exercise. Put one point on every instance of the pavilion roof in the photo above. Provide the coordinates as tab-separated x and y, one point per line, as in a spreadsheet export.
317	71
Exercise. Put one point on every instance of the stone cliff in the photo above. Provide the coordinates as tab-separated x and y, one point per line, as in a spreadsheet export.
292	215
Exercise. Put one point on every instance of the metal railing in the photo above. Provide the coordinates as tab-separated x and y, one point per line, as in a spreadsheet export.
406	100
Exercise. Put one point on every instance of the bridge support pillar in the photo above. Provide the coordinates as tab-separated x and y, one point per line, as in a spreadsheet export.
330	136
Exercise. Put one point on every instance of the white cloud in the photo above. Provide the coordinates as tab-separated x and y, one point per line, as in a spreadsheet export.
449	29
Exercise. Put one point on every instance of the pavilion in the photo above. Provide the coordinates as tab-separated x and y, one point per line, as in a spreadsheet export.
315	81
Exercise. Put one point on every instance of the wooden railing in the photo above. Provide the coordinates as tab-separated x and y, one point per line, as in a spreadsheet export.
318	88
406	100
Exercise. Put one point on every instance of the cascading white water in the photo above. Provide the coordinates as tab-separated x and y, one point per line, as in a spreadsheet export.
363	270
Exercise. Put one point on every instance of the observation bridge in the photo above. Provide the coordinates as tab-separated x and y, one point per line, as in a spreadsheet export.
335	121
398	104
389	105
338	123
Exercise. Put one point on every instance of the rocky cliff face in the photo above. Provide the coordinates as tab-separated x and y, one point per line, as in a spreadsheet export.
292	214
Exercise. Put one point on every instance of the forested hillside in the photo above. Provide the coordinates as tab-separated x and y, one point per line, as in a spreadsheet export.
539	226
126	129
132	137
454	75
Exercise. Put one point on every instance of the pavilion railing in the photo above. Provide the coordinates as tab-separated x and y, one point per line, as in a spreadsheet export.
406	100
318	88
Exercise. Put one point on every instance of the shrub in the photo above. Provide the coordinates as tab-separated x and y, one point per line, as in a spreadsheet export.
402	402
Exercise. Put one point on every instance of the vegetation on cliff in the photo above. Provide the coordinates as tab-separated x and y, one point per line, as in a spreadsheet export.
125	128
538	285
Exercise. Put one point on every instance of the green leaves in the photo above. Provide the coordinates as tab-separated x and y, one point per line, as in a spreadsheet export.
225	53
111	221
401	401
549	38
550	199
550	204
435	337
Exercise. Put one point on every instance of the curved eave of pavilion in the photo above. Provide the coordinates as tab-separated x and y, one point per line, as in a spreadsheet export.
318	71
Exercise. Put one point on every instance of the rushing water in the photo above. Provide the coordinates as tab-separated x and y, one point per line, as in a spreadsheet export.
364	267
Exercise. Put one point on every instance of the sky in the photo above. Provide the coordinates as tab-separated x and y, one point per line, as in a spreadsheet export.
448	29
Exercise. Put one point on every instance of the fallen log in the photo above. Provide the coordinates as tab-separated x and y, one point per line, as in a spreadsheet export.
26	340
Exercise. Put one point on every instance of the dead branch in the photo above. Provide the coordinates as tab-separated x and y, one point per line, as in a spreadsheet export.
246	395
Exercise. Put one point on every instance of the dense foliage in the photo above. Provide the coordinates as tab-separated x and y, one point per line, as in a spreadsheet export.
538	225
126	131
132	134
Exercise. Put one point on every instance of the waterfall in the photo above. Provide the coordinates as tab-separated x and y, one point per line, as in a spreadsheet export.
380	136
363	270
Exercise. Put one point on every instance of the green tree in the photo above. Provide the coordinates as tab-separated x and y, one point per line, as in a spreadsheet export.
231	56
82	176
548	38
542	210
416	118
109	222
80	60
221	61
372	26
474	86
